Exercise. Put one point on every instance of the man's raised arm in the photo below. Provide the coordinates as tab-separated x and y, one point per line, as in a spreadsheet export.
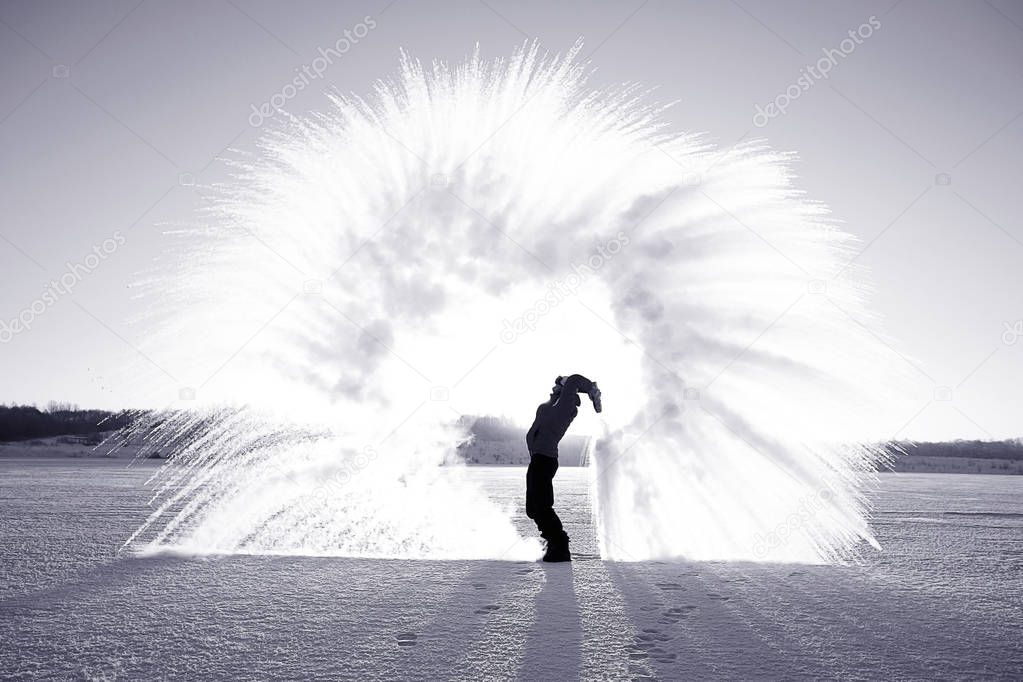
577	383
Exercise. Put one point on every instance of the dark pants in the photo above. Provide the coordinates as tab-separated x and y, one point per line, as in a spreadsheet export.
540	499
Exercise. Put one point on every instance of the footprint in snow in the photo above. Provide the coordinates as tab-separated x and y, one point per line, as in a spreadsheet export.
673	615
652	635
669	586
489	608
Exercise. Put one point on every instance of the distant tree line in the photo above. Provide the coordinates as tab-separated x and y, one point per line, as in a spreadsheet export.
499	441
22	422
492	428
979	449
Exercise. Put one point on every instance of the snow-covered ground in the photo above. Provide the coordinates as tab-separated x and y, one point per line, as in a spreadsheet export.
944	600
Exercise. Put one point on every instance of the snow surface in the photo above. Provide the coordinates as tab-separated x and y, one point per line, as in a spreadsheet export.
943	601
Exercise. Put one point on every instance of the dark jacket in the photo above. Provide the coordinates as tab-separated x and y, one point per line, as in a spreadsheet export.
555	416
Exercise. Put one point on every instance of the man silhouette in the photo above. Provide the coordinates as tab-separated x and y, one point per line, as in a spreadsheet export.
552	421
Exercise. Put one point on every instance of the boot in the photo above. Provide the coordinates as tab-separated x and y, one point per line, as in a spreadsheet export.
557	552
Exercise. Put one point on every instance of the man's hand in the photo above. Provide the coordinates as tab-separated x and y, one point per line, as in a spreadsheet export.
577	383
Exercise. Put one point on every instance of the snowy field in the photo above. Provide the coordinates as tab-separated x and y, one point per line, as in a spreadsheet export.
944	600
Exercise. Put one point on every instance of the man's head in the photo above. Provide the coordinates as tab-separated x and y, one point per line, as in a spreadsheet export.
556	388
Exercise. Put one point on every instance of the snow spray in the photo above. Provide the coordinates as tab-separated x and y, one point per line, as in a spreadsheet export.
364	252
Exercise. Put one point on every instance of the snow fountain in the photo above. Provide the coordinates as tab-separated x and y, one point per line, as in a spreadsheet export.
375	270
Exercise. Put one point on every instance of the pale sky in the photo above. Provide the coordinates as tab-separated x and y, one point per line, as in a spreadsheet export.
111	111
